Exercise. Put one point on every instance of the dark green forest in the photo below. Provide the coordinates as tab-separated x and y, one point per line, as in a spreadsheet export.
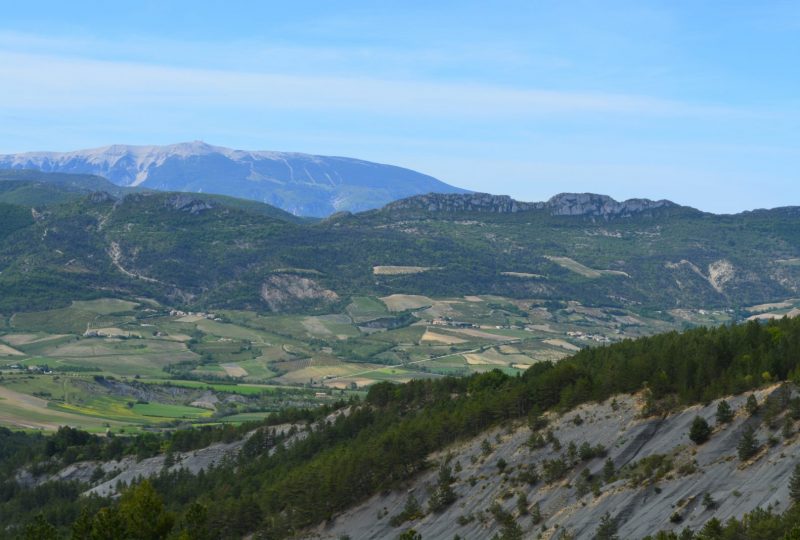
385	440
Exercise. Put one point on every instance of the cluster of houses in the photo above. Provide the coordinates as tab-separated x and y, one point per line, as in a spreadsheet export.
31	369
447	321
589	337
179	313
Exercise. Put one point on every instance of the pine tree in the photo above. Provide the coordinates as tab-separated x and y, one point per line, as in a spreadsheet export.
724	413
169	460
712	529
536	514
410	534
444	495
196	523
607	529
535	419
522	504
108	525
486	447
748	445
142	510
608	470
751	405
699	432
82	527
794	484
788	427
411	511
40	529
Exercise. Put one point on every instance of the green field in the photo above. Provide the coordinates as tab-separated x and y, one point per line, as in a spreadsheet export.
275	361
161	410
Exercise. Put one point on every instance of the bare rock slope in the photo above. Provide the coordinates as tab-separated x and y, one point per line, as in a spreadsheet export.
660	481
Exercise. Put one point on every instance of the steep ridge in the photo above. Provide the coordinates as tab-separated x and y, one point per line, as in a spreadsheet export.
563	204
302	184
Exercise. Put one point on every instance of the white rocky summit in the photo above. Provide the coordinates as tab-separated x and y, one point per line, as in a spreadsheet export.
303	184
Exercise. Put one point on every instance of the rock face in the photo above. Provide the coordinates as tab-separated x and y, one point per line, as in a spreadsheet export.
282	291
661	481
564	204
473	202
99	197
187	203
589	204
302	184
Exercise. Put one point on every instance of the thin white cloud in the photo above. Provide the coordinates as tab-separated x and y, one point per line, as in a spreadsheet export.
51	82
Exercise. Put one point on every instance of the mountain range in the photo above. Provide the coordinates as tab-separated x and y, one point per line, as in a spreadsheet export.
217	252
302	184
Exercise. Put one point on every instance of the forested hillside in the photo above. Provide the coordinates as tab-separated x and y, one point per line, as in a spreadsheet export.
280	487
211	253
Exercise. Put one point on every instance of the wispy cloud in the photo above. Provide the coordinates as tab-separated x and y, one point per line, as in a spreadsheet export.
39	81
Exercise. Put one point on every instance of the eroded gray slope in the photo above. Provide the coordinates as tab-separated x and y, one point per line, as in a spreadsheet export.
641	507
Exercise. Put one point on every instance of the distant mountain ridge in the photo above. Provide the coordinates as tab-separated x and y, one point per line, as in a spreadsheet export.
563	204
302	184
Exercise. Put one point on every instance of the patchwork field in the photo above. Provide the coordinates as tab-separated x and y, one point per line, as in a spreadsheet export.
118	364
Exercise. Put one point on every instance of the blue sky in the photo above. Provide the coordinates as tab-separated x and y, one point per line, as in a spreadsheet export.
698	102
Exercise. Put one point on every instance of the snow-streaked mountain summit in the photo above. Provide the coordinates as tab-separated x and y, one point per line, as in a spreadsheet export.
303	184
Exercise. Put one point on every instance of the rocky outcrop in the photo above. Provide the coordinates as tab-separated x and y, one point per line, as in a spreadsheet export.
283	291
187	203
99	197
472	202
563	204
590	204
660	482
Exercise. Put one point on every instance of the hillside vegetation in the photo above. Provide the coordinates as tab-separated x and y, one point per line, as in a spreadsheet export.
281	487
198	252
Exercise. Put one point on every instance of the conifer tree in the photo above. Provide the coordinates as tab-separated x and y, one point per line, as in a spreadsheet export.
522	503
536	514
608	470
410	534
40	529
607	529
794	484
748	445
724	412
443	496
751	405
699	432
